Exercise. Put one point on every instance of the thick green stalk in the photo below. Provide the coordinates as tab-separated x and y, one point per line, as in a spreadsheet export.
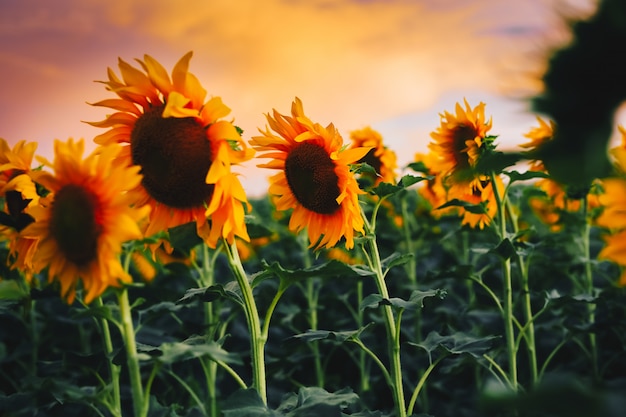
365	381
393	331
114	370
209	366
529	333
128	335
508	289
591	307
312	296
257	339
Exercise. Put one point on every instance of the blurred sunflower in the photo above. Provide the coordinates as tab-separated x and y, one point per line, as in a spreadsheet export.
613	217
314	179
379	157
81	225
556	200
457	144
433	190
481	195
619	152
19	192
539	136
183	148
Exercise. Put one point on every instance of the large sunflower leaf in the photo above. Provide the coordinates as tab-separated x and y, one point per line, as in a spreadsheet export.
504	249
315	401
456	344
523	176
472	208
312	335
257	227
192	348
246	403
330	269
385	189
415	301
396	259
211	293
184	237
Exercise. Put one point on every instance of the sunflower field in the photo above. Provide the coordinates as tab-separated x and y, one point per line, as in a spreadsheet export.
140	280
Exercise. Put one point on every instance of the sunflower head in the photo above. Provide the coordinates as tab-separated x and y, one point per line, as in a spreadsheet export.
183	147
458	141
619	152
79	227
379	157
479	192
433	190
18	192
314	177
539	136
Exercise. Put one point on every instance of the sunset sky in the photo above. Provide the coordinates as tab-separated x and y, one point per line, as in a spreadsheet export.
391	64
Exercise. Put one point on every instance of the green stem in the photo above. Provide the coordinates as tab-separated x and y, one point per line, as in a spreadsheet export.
191	392
508	289
500	373
312	296
210	367
393	339
421	383
128	334
591	307
376	360
529	331
365	381
257	338
114	370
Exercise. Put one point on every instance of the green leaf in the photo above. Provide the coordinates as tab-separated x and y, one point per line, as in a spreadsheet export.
211	293
496	161
505	249
184	237
246	403
257	227
456	344
312	335
385	189
418	167
11	290
415	301
396	259
192	348
472	208
315	401
363	168
330	269
528	175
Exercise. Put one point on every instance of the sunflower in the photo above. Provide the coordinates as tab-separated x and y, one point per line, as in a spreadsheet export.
314	179
619	152
184	149
81	224
381	158
483	194
19	192
433	190
556	199
538	136
613	217
457	143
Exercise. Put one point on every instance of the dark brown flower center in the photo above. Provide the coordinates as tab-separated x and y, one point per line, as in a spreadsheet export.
461	134
75	223
175	157
312	179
